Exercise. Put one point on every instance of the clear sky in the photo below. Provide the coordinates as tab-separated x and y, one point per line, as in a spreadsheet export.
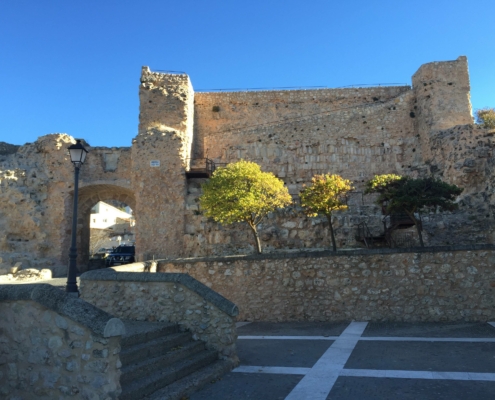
74	66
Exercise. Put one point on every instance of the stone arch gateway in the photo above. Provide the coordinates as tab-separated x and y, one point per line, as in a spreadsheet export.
88	196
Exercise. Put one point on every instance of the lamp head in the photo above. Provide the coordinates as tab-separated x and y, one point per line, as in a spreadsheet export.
77	153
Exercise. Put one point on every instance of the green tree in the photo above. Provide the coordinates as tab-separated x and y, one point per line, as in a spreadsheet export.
242	192
486	117
405	194
325	195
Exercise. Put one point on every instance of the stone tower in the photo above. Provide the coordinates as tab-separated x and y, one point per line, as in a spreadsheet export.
160	157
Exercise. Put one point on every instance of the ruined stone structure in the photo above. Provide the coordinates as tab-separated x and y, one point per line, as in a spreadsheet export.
355	132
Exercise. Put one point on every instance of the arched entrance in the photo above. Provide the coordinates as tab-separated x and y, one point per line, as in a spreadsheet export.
89	196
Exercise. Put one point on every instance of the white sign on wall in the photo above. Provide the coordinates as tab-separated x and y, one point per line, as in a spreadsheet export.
154	163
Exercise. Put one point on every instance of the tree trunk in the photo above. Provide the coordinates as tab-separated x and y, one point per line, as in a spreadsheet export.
418	229
256	237
329	218
419	233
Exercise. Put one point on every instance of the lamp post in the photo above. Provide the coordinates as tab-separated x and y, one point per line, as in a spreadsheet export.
77	156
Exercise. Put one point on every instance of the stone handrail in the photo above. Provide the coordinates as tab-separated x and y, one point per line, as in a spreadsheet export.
98	321
131	273
130	293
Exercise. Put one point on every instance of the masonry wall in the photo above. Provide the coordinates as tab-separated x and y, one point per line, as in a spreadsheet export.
55	346
36	189
356	132
296	134
410	286
47	356
465	156
284	229
339	131
164	139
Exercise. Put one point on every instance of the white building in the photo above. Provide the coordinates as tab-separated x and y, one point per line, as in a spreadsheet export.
105	216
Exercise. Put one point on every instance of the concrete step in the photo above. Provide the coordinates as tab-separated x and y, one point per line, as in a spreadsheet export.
137	370
184	387
142	351
138	389
145	331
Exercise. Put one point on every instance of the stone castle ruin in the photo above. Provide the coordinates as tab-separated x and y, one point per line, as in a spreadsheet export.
419	130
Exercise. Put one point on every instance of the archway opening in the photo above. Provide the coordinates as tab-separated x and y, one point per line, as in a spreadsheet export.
105	219
111	226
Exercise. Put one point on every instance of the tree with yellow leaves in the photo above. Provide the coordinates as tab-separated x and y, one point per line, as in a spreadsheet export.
325	195
242	192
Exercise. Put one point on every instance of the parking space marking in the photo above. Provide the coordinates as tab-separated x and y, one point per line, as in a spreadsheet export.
272	370
376	373
288	337
426	339
318	382
373	338
403	374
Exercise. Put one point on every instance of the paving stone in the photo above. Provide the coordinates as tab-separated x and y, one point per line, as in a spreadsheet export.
282	353
237	386
350	388
424	356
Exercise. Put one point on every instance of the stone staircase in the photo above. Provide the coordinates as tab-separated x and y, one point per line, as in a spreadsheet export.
160	362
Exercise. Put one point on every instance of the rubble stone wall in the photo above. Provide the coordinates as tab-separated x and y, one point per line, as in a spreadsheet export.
44	353
386	285
36	194
355	132
354	141
160	156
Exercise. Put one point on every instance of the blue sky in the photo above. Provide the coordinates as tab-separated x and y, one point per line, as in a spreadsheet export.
74	66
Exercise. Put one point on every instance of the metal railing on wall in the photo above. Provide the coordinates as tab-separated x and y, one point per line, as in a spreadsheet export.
356	85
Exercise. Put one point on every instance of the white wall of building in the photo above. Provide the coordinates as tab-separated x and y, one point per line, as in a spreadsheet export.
104	216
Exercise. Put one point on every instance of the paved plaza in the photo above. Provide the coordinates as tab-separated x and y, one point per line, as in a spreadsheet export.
359	360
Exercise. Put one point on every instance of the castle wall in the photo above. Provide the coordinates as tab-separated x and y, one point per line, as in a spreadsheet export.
442	92
36	189
355	132
296	134
160	155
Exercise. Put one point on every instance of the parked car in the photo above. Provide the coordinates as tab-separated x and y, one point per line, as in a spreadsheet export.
121	255
101	254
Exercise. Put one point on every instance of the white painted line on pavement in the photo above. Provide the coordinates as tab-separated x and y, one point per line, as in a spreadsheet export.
426	339
492	324
376	373
272	370
373	338
318	382
288	337
457	376
479	376
239	324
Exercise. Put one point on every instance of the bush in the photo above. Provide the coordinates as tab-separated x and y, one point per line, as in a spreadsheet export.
486	117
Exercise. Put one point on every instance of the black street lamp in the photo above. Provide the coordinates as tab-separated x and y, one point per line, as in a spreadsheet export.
77	156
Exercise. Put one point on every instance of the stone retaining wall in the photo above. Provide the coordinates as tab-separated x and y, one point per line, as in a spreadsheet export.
178	298
53	346
443	284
